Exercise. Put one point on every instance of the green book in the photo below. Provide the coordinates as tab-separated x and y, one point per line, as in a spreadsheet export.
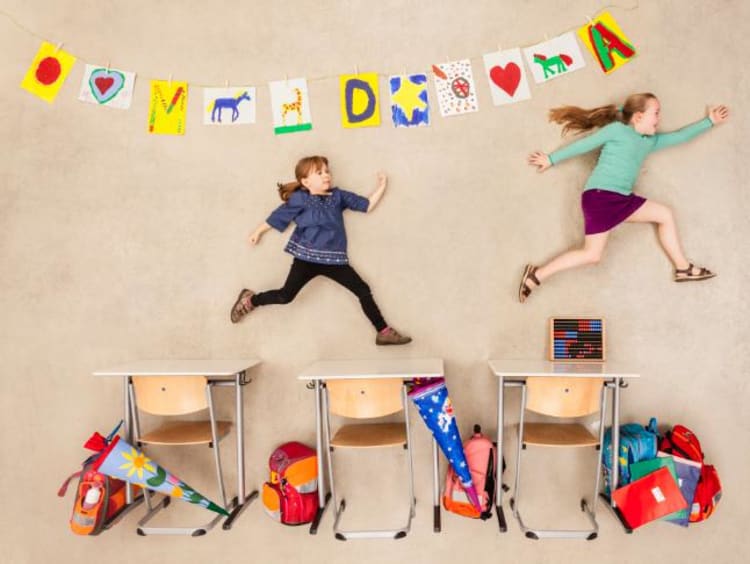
644	467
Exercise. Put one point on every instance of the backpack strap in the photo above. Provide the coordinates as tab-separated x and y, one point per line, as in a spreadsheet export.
64	488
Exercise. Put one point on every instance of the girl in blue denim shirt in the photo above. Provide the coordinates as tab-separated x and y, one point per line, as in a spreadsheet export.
318	243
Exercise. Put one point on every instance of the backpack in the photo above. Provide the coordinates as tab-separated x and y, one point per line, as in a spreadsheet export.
481	456
291	495
683	442
99	498
636	443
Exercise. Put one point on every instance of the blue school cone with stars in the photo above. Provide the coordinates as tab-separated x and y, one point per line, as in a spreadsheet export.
432	401
121	460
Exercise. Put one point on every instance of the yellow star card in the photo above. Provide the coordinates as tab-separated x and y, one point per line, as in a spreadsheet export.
167	107
607	42
48	72
359	100
409	105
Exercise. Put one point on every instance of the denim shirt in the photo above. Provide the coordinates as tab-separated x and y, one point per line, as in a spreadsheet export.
319	236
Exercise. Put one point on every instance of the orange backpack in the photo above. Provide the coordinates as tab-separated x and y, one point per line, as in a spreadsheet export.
291	495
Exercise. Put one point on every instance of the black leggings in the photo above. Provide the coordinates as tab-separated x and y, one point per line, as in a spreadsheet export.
302	272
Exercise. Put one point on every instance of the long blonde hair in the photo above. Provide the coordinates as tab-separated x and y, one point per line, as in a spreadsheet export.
304	167
578	119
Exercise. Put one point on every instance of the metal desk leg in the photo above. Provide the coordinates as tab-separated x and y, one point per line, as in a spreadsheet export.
436	525
615	474
242	501
502	525
323	495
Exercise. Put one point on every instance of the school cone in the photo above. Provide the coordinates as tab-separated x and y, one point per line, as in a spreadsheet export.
430	396
121	460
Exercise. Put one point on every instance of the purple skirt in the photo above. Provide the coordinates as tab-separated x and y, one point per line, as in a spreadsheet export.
604	209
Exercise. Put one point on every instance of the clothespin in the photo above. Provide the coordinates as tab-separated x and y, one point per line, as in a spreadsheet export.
226	84
286	80
59	46
591	22
499	48
169	84
107	67
356	69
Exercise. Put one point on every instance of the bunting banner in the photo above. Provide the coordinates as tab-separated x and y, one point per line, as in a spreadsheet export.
455	88
167	108
47	72
359	100
607	43
409	103
506	77
290	104
554	58
107	87
229	106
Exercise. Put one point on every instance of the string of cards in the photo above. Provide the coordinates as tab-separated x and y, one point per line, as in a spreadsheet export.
504	71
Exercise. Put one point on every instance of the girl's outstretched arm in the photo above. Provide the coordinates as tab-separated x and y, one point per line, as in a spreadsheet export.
716	116
254	237
378	193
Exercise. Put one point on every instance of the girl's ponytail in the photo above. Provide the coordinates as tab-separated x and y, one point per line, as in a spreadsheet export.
286	190
578	119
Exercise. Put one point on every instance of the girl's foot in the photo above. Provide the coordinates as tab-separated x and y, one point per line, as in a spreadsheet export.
389	336
242	306
692	273
529	281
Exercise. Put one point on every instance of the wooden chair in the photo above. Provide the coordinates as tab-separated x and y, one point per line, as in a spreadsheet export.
170	396
561	398
367	399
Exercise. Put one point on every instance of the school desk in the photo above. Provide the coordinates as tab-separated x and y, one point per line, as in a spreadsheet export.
230	373
513	373
407	369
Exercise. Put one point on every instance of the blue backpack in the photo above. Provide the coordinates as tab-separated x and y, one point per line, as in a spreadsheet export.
636	443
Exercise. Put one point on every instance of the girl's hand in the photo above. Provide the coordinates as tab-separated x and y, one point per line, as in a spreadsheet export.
718	114
539	160
382	180
254	238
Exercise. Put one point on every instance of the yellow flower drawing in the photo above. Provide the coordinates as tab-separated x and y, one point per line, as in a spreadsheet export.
136	463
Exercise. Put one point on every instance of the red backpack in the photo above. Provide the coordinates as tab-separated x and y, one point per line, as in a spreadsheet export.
481	456
683	442
291	495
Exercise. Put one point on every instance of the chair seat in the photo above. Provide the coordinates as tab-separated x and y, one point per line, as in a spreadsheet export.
185	433
558	435
370	435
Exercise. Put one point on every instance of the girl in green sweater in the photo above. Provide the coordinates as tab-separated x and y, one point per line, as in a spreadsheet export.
626	136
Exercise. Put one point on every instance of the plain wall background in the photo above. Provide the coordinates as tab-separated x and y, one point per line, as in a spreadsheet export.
116	245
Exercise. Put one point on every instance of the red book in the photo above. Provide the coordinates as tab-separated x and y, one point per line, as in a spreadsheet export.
649	498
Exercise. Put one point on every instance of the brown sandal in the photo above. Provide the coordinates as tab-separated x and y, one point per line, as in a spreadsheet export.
242	306
687	275
524	290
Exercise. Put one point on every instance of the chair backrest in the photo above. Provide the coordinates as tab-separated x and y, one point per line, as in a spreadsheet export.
363	399
170	395
563	397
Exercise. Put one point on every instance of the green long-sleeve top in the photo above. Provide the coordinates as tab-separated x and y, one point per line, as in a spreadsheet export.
623	152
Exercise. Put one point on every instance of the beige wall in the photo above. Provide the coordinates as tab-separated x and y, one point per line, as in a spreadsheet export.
116	245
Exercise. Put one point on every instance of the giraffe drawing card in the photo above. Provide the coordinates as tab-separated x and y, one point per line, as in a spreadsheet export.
359	100
229	106
506	75
455	87
556	57
290	104
607	42
409	103
167	107
107	87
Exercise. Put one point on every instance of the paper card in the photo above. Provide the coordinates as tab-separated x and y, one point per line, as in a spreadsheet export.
167	107
409	102
554	58
48	72
229	106
506	75
359	100
607	42
107	87
455	87
290	104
